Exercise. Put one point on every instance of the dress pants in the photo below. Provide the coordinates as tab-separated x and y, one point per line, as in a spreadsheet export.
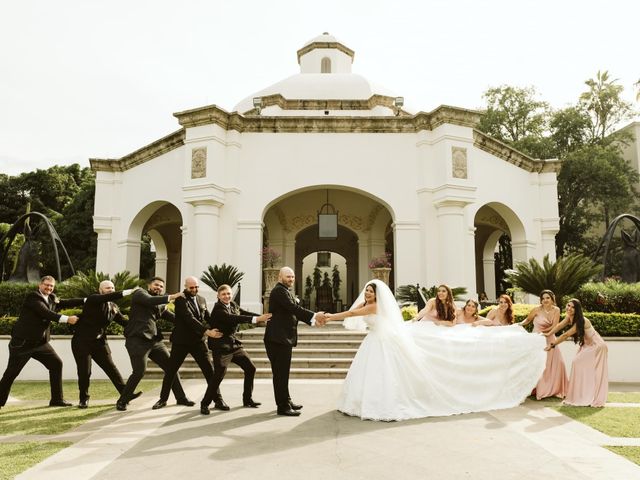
86	349
280	357
200	354
140	350
19	354
239	357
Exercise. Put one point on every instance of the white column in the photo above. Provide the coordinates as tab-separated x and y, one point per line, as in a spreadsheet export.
451	235
407	244
248	261
204	235
489	269
549	228
130	253
103	250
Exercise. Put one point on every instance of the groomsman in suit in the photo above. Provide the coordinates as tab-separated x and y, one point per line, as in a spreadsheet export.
191	319
30	339
226	316
281	335
89	340
144	340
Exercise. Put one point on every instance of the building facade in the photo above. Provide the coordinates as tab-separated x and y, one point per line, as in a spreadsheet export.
428	188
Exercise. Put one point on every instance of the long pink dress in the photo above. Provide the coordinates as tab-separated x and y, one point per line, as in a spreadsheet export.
553	382
589	381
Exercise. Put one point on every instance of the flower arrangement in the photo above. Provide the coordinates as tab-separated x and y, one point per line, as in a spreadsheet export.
383	261
269	257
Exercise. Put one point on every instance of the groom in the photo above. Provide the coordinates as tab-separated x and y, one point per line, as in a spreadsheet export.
281	335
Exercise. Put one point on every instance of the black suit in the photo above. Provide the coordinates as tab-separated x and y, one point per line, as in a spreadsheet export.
90	340
187	337
228	348
30	339
144	341
280	336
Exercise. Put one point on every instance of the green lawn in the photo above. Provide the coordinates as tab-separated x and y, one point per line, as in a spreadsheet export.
614	421
630	453
624	397
15	458
99	389
17	420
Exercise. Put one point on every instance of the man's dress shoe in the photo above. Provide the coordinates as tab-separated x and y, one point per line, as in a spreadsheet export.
121	406
220	405
83	404
288	413
204	410
251	404
135	395
295	406
159	404
59	403
186	402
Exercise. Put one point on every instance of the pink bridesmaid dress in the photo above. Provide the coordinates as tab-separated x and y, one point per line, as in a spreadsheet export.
553	382
589	381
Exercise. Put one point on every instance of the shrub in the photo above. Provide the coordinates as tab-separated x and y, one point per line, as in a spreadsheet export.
221	275
12	296
563	277
85	284
610	296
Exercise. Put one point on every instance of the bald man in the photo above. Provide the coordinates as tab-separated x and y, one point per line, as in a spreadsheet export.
89	340
189	330
281	335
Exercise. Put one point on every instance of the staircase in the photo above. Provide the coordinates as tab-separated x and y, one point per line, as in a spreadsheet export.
321	353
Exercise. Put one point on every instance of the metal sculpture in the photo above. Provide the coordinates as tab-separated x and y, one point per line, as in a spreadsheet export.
26	268
631	253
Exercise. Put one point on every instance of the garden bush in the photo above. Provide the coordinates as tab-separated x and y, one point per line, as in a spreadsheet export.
610	296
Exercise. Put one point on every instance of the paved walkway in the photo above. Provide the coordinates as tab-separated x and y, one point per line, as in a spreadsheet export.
527	442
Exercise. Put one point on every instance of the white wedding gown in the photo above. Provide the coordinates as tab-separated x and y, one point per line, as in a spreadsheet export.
414	370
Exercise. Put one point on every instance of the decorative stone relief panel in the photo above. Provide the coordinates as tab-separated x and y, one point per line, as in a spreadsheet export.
459	162
199	162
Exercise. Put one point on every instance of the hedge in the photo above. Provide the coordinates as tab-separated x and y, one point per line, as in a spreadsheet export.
610	296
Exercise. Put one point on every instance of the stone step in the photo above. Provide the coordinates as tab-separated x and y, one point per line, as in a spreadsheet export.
296	362
263	372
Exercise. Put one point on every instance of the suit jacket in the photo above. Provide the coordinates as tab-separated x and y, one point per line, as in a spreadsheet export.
227	320
99	310
36	316
190	323
146	309
286	313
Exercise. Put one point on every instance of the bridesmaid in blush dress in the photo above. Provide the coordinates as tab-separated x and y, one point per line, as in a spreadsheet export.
499	316
545	318
589	380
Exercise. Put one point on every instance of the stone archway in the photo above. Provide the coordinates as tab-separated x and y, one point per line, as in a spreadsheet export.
162	221
491	222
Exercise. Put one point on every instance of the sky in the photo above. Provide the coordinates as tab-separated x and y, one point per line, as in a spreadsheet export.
84	79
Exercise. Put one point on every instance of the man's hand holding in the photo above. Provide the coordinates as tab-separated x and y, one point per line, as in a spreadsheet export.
213	333
72	320
176	295
264	318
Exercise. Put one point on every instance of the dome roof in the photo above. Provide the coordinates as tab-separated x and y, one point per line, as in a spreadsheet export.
318	86
325	74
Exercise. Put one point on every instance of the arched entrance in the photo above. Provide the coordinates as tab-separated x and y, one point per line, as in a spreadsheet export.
363	232
498	229
162	223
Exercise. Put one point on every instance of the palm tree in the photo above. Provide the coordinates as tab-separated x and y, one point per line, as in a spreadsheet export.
85	284
562	277
223	274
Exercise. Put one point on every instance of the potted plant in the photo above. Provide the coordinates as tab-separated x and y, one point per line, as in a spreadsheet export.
381	267
336	282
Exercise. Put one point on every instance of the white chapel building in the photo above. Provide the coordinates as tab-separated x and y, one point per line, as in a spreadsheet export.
428	187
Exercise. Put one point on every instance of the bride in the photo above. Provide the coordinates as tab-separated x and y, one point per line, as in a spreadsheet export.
403	371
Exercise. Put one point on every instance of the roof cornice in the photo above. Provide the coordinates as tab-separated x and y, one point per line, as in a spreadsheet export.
142	155
513	156
336	45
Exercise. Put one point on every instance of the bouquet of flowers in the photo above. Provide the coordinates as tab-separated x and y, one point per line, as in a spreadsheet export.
383	261
269	257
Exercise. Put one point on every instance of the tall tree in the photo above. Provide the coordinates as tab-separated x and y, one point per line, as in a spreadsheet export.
604	103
